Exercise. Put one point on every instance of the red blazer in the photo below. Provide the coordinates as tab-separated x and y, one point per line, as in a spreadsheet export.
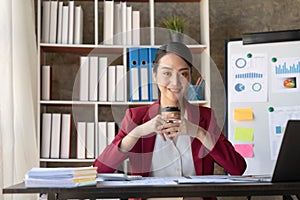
140	156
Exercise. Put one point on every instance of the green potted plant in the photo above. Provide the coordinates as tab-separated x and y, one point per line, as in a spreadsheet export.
175	25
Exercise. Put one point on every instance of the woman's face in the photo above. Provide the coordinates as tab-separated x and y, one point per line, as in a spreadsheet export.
172	77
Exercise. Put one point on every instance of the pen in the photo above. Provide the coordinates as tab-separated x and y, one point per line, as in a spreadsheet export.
198	81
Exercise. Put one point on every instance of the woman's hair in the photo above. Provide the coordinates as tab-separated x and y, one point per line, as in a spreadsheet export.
178	48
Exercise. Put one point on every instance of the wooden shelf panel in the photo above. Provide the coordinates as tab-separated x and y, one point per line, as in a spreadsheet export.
179	1
182	1
59	102
81	48
87	48
66	160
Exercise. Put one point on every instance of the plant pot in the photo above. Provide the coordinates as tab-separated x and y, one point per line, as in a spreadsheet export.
176	36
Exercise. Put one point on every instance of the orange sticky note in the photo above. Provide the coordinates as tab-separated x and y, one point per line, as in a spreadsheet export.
241	114
246	150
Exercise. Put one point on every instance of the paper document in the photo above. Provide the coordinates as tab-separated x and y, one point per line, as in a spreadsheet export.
142	182
218	179
182	180
117	177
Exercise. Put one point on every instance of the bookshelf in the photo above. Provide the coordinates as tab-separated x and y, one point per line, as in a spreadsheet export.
64	60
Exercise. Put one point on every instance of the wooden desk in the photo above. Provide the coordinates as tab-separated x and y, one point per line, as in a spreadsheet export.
181	190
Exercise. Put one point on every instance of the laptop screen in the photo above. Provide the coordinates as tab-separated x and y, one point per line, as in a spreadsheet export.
287	166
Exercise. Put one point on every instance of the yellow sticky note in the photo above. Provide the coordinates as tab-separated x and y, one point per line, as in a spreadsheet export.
243	134
241	114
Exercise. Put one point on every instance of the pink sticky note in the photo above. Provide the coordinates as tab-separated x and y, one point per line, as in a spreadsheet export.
246	150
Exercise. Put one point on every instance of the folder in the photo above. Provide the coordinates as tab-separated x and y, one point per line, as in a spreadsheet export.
93	78
65	144
71	22
46	135
81	140
144	75
129	25
111	83
55	135
111	131
101	137
120	83
84	78
117	24
65	25
102	89
124	22
133	60
153	89
46	82
90	140
108	18
136	27
78	25
46	21
59	22
53	21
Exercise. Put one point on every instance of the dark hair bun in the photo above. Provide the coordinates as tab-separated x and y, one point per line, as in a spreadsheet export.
180	49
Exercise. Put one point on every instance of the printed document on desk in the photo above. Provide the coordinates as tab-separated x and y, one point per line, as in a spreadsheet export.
218	179
179	180
142	182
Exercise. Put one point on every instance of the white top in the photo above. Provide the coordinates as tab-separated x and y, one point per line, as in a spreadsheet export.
172	159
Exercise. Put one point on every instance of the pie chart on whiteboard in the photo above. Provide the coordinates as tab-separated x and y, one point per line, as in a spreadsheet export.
239	87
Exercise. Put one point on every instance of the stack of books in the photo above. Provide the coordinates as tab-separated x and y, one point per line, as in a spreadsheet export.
61	177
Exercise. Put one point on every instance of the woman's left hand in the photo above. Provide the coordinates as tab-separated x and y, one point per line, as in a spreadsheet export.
185	127
179	127
170	128
188	128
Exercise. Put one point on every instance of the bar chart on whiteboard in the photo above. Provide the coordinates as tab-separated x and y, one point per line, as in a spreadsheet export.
286	72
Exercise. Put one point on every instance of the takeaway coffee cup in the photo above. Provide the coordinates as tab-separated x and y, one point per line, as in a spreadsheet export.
171	113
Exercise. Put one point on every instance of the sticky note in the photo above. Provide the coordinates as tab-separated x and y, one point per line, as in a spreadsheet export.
244	134
246	150
241	114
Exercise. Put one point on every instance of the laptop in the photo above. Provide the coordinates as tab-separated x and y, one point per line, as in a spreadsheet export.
287	167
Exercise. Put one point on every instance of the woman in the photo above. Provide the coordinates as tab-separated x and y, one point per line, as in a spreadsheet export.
158	148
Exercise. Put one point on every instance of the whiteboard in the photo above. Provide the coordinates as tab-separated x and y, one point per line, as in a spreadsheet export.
263	92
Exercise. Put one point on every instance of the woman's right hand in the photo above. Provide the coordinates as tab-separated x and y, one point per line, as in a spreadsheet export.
160	126
155	125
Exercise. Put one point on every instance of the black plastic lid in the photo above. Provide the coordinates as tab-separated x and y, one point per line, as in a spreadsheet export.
170	109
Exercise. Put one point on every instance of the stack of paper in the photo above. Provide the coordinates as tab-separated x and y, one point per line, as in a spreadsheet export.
120	180
61	177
